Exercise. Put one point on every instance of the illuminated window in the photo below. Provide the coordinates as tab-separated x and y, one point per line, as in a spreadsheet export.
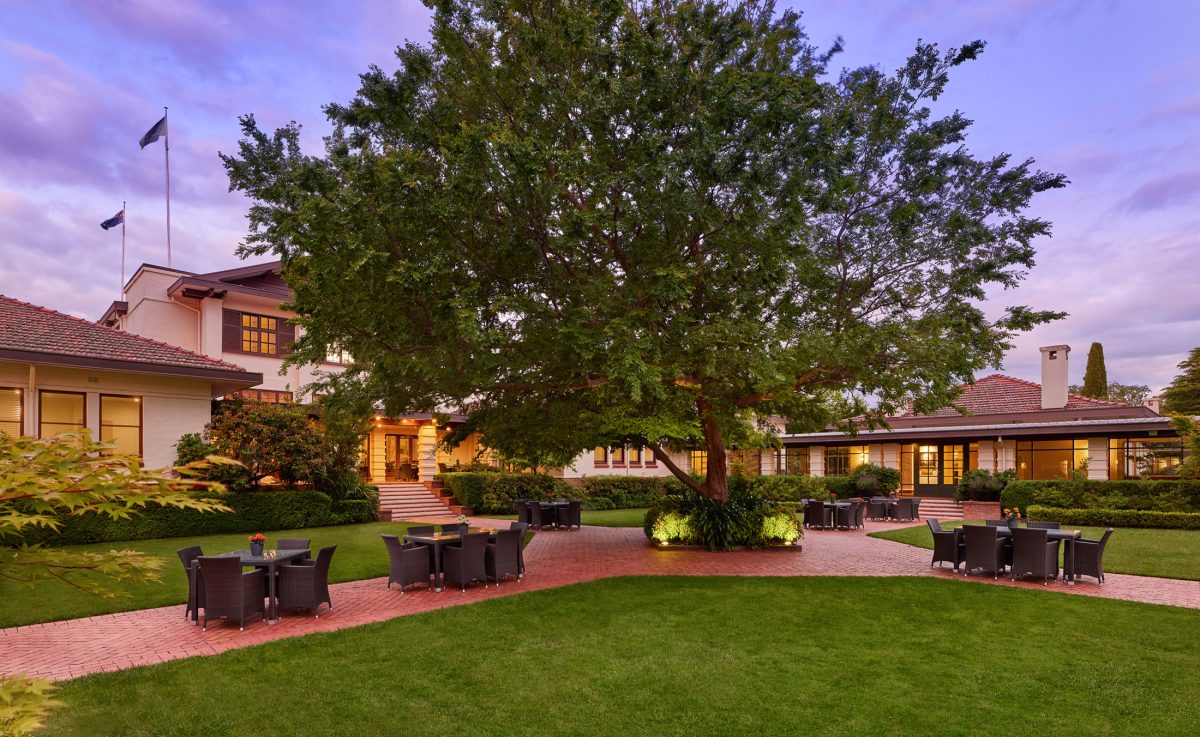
601	456
842	460
1131	458
260	334
648	457
793	462
952	464
698	460
1039	460
337	355
906	467
635	456
268	396
11	411
927	464
121	424
61	412
618	456
745	462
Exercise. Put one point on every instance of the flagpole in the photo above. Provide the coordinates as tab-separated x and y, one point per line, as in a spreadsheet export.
124	217
167	155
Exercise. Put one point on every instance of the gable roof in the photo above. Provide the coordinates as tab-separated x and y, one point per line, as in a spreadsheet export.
33	334
998	394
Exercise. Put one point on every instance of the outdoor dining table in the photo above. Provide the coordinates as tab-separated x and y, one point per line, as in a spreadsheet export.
265	561
436	540
1068	537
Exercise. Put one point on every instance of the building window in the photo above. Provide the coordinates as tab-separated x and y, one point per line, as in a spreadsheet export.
793	462
121	424
927	464
1132	458
972	456
601	456
260	334
648	458
269	396
337	355
617	456
1040	460
745	462
11	411
952	464
906	467
842	460
635	456
698	461
61	412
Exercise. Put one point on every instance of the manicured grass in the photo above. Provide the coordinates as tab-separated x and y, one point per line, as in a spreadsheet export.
667	656
602	517
360	554
1164	553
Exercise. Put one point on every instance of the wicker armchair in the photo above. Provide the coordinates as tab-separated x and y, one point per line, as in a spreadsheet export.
984	549
859	512
464	562
948	545
523	527
996	523
408	563
451	528
536	518
503	557
1034	554
902	510
305	583
817	516
294	543
846	515
916	507
521	505
188	556
877	510
1044	525
1089	557
228	592
571	516
422	530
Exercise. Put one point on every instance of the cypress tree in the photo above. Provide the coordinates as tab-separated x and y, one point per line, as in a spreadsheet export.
1095	376
1183	394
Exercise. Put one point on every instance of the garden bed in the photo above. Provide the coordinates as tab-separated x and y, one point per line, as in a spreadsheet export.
795	547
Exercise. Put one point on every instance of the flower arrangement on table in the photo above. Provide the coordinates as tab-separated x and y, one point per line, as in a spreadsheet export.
257	540
833	496
464	521
549	496
1012	516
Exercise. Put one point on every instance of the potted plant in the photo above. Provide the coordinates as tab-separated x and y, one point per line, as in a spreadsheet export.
464	524
1013	517
257	540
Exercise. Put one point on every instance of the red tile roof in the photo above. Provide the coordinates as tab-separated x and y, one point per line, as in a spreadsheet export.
32	329
999	394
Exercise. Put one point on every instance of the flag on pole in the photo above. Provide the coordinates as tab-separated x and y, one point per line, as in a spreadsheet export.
114	221
158	130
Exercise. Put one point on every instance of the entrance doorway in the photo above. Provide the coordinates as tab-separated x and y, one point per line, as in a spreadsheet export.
937	469
400	457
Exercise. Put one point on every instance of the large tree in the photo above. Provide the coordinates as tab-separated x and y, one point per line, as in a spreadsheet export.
1182	396
598	222
1095	375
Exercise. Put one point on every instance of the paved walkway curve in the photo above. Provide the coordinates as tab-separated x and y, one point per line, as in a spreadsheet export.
73	648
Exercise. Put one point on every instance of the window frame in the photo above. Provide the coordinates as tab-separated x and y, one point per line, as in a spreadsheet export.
698	462
633	457
42	415
141	405
600	452
259	331
20	392
616	456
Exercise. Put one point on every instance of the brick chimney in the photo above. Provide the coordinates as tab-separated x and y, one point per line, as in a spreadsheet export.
1054	376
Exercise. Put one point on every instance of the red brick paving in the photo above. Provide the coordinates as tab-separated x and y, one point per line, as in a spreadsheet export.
73	648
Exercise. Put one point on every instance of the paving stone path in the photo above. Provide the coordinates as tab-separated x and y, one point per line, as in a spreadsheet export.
73	648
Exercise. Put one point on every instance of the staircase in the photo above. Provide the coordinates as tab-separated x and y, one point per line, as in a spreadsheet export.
940	508
411	499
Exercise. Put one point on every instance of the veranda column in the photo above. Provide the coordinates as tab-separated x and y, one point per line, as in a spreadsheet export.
816	461
987	456
890	455
1097	459
427	452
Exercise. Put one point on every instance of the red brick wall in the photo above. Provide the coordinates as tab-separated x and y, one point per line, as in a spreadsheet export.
981	510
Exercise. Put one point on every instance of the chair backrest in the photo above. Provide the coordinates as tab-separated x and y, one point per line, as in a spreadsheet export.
1025	536
996	523
324	558
392	543
934	525
916	503
522	526
475	544
1104	539
293	543
1044	525
904	508
450	528
222	575
420	530
520	504
574	510
535	514
187	555
977	534
508	542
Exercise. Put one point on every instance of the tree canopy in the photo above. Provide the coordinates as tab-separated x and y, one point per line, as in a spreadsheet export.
653	223
1095	375
1132	394
1182	396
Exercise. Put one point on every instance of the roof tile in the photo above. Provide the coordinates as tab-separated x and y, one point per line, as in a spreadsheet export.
999	394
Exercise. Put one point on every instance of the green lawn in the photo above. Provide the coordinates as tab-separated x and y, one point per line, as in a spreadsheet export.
670	656
601	517
1164	553
360	555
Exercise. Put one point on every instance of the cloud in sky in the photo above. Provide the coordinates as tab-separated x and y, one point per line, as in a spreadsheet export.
1104	92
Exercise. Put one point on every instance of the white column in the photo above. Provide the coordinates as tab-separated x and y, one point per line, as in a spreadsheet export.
766	465
816	461
211	326
91	403
427	451
1097	459
1006	455
890	455
987	460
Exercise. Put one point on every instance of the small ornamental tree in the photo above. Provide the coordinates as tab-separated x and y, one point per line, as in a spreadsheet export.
278	440
1182	396
44	480
602	223
1095	376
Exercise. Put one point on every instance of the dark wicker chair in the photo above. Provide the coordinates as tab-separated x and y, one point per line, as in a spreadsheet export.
304	584
464	562
948	545
451	528
817	516
521	505
996	523
537	519
523	527
503	557
230	593
916	507
846	515
293	543
1044	525
422	530
1034	554
877	510
572	515
859	513
195	599
408	563
1089	557
902	510
984	549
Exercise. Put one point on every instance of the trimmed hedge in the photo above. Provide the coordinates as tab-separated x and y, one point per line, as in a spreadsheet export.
623	492
843	486
1144	495
789	488
253	511
497	493
1116	517
354	511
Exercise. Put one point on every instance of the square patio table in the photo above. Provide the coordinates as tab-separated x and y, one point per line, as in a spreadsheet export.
1068	537
437	540
270	564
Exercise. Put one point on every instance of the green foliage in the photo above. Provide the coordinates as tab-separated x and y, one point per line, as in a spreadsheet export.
353	511
1182	396
497	493
595	227
1189	432
870	479
790	488
24	704
622	492
1147	495
841	486
670	526
746	520
278	440
1131	394
982	485
1102	517
1095	376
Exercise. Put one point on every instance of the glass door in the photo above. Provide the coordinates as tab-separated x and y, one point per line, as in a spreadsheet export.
400	457
938	469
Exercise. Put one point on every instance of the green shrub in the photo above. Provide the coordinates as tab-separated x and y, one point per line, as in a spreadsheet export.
497	493
1098	517
982	485
1136	494
780	527
790	488
253	511
746	520
843	486
353	511
870	479
670	526
621	492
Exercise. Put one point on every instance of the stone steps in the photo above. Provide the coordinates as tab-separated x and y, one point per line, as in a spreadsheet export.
406	500
940	508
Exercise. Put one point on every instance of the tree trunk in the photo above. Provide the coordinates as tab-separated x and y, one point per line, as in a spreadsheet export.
716	479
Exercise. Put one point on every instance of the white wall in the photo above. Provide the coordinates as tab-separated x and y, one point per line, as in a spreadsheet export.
585	465
153	314
1098	459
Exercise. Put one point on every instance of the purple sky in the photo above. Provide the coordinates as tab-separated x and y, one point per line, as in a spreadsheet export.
1105	91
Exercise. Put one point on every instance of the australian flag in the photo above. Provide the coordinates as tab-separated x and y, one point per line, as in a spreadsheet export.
114	221
158	130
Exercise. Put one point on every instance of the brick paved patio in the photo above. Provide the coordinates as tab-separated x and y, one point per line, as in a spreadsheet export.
72	648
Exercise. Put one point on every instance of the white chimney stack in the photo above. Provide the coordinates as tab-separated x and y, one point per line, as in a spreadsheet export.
1154	403
1054	376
